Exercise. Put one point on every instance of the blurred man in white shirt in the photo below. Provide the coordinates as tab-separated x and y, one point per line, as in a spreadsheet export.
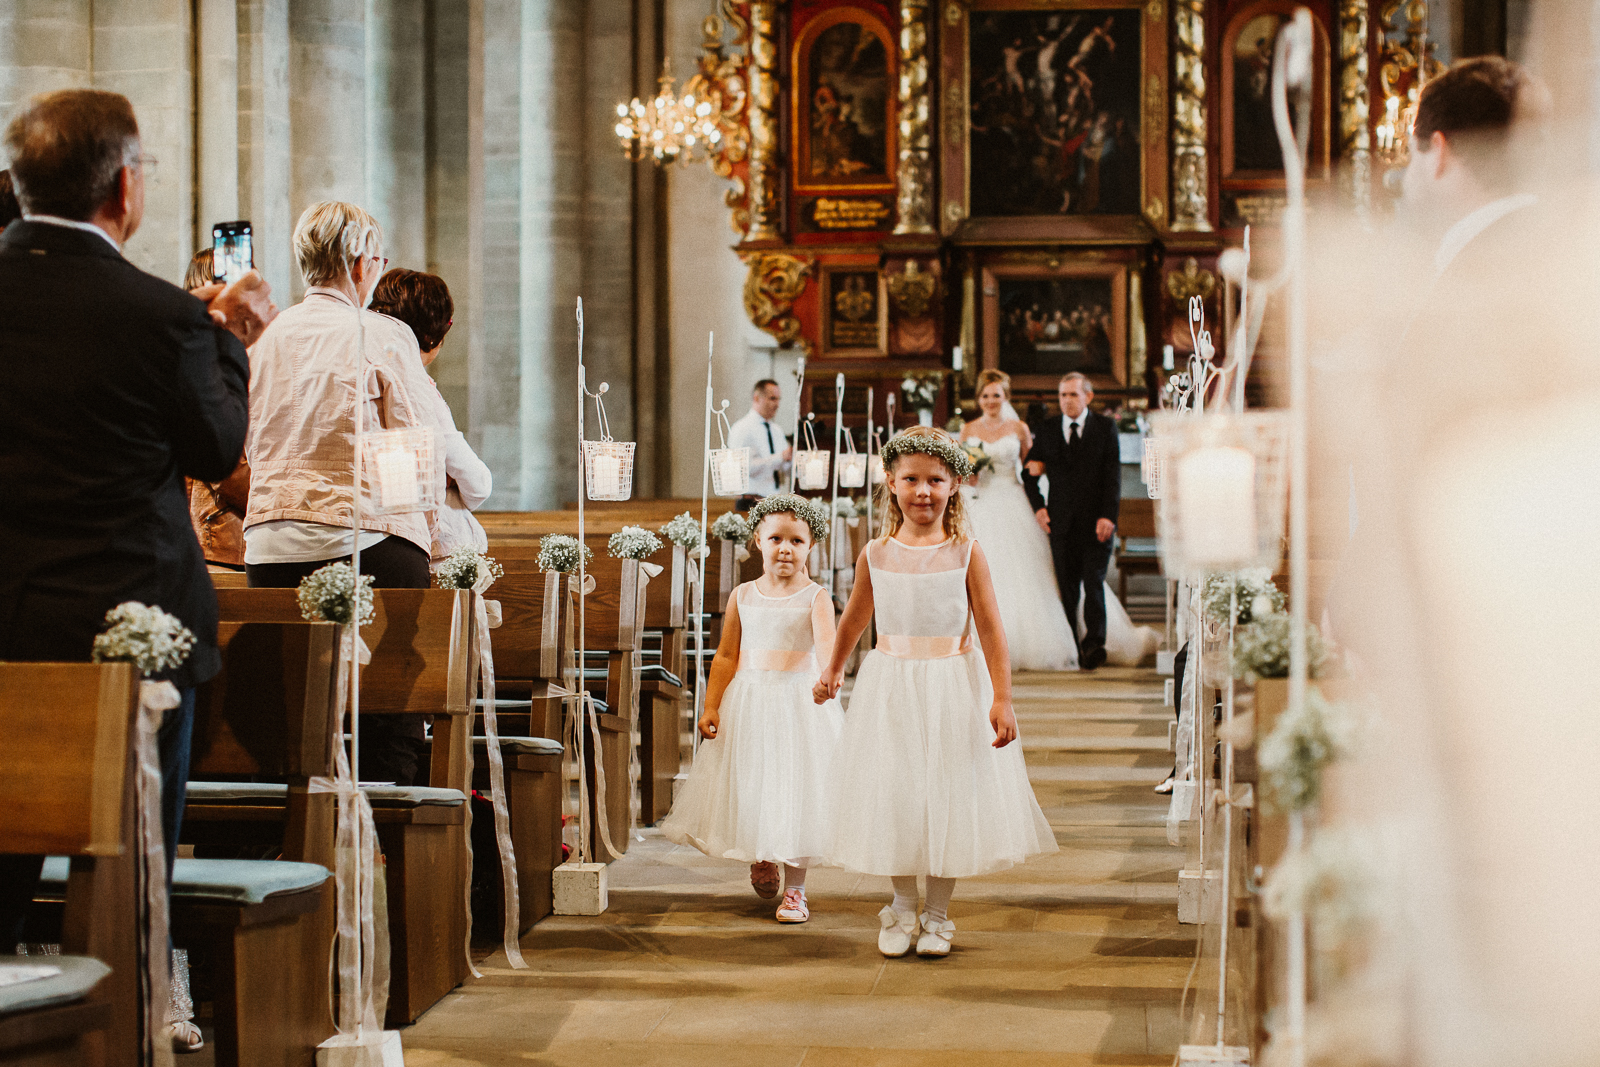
770	451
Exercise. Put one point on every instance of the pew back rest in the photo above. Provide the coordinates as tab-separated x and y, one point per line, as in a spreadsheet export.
421	642
69	731
523	648
271	709
1136	517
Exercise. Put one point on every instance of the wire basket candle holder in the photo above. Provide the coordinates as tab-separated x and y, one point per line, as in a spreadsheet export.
607	464
1222	482
875	458
811	462
400	470
1153	466
730	467
852	466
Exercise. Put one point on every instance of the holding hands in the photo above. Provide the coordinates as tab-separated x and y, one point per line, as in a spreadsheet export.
827	686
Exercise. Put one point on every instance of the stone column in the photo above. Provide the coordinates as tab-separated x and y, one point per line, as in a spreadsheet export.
44	45
217	102
1355	138
327	105
766	177
396	66
263	131
453	33
144	49
551	253
915	177
1190	175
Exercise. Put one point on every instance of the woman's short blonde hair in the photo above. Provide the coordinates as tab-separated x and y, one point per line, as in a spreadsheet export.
330	237
987	378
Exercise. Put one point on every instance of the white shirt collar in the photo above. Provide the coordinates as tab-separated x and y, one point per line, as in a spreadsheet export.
1471	225
1066	423
74	224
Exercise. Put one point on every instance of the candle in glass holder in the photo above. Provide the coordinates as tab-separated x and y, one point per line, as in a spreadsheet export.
606	481
852	471
1217	488
816	470
876	466
730	472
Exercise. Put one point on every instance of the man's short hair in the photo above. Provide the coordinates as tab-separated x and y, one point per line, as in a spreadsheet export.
67	149
1076	376
330	237
762	384
1476	105
421	301
10	210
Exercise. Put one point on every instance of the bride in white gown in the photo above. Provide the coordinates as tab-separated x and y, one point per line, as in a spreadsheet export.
1019	552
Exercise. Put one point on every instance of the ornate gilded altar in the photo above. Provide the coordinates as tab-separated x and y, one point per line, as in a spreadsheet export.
1033	185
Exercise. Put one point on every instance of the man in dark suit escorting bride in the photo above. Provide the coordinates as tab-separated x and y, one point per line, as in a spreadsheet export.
1078	454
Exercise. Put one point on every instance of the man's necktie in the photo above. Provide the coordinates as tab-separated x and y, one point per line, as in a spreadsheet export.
772	449
1075	438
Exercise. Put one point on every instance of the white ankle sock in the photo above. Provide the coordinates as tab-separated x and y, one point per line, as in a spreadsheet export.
794	878
905	893
940	890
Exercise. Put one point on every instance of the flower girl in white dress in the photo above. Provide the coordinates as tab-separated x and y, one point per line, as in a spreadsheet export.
927	780
757	790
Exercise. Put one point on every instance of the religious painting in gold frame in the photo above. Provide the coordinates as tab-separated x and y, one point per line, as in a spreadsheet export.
1251	157
1041	321
842	100
1021	79
855	311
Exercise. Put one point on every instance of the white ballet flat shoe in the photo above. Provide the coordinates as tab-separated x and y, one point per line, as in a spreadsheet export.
185	1036
894	940
935	939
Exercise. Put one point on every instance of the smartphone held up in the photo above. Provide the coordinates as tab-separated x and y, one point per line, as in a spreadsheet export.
232	255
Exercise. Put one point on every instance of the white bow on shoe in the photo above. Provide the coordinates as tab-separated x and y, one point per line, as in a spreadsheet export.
894	939
936	935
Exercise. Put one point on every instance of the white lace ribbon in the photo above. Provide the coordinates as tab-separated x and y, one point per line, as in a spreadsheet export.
511	932
155	700
362	947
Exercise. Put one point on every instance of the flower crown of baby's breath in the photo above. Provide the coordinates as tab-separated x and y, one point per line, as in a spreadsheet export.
943	449
801	508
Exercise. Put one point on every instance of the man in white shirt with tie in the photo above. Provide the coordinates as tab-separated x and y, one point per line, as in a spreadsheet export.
769	448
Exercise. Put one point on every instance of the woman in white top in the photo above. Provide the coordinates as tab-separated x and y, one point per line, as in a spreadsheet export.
301	442
422	302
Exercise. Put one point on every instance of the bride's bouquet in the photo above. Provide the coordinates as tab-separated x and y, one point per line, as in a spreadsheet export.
981	460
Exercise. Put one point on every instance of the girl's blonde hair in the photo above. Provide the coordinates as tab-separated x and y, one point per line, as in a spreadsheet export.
955	512
990	377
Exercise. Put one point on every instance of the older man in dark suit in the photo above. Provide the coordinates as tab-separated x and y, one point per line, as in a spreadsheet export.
1079	454
114	385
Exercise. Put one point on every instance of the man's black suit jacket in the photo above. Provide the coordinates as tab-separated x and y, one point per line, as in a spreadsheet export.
1085	479
114	385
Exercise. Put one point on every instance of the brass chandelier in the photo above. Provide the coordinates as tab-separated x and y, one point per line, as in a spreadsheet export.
706	122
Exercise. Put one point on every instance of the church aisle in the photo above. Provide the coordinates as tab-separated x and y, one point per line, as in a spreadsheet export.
1072	960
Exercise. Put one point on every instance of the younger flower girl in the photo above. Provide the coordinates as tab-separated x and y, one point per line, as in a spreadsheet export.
756	791
927	780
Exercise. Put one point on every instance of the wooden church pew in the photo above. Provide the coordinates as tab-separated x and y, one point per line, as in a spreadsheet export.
66	788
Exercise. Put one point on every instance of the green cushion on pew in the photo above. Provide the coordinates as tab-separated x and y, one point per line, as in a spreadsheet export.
414	796
78	975
501	704
379	796
1140	546
213	881
659	673
525	746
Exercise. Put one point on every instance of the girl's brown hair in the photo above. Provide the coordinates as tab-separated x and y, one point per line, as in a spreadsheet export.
955	512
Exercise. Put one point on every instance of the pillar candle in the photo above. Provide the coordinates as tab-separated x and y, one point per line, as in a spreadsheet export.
876	466
397	478
817	470
731	473
607	478
956	356
1217	488
1168	359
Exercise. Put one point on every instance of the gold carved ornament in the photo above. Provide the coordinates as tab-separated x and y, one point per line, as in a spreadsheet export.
1192	281
911	291
762	197
1407	64
915	173
1190	180
1355	141
770	289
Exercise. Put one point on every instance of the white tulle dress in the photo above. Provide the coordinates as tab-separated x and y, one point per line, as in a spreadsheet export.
758	790
1025	575
918	787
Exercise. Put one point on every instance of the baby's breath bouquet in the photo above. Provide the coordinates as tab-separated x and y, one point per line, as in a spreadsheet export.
731	527
465	568
981	460
1261	649
633	542
1300	746
560	552
145	636
328	595
849	508
1258	597
683	530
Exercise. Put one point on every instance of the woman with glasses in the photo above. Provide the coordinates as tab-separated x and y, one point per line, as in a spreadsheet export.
301	443
422	302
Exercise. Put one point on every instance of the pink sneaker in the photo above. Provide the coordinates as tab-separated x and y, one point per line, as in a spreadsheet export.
793	909
764	879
